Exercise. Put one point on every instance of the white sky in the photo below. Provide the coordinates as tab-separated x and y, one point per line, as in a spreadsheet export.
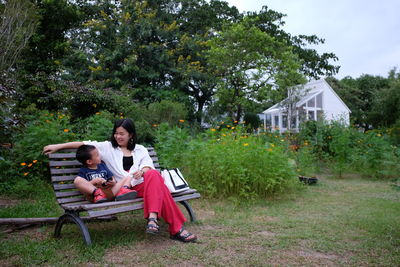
363	34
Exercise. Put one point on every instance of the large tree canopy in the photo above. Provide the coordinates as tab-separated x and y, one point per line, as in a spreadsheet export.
250	63
164	49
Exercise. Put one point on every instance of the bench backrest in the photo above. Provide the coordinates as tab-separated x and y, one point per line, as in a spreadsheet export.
63	170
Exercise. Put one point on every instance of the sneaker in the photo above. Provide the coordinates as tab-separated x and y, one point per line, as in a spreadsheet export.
99	196
125	194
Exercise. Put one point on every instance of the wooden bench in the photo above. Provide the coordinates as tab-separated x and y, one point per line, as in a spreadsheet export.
64	168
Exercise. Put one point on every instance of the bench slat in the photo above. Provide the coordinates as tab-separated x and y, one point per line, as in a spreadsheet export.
89	206
65	178
68	194
64	171
62	155
67	200
61	163
97	213
58	187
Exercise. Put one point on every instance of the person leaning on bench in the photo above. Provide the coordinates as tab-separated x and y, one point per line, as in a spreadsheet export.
126	158
96	181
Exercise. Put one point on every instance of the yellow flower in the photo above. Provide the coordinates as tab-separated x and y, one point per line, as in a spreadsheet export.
272	145
378	134
245	144
270	149
224	135
213	130
181	120
94	105
26	173
233	128
97	113
66	130
23	164
34	161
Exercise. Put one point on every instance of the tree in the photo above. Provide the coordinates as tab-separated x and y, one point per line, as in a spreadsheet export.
360	94
18	23
250	63
313	64
385	109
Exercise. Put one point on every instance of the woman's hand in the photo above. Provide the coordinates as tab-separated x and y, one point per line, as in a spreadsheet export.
138	174
51	149
54	148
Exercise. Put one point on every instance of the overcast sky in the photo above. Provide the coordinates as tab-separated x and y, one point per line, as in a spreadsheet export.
363	34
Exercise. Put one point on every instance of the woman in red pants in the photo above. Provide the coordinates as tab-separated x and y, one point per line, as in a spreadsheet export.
124	157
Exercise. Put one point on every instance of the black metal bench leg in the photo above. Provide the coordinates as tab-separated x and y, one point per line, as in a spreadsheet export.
73	217
189	210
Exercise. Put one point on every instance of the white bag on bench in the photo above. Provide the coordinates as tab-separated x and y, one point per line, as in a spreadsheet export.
174	180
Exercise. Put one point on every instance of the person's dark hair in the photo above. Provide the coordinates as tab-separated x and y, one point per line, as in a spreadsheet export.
83	153
129	126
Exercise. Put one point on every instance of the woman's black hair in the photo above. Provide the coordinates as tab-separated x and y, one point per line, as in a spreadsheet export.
129	126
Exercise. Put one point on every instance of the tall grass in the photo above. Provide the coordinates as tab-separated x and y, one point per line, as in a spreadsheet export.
228	163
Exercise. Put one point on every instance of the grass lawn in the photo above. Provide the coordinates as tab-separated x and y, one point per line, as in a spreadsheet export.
338	222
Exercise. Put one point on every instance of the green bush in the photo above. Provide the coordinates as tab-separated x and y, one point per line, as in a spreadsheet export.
229	163
347	149
96	127
171	144
173	113
26	159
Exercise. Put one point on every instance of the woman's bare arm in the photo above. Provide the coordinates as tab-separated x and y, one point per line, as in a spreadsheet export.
55	147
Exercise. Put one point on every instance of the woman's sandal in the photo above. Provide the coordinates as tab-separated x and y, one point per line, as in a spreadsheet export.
152	228
184	237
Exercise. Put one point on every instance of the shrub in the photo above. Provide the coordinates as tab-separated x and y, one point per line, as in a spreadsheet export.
171	144
41	129
96	127
167	111
230	163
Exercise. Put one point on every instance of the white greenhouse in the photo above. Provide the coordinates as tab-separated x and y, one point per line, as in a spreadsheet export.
315	100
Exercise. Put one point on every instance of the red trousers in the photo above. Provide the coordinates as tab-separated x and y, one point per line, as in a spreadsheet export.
158	199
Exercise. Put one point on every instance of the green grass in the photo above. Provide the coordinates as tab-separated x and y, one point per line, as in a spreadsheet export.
338	222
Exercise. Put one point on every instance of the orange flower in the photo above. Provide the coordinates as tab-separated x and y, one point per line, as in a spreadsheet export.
34	161
181	120
270	149
66	130
213	130
97	113
30	165
26	173
23	164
